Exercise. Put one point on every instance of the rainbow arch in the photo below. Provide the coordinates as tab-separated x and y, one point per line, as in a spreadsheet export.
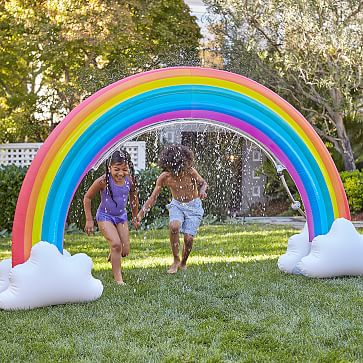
157	96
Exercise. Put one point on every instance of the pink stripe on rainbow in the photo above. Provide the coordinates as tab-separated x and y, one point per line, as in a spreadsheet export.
28	216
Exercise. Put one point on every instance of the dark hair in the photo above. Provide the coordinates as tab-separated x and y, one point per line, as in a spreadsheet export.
119	156
176	158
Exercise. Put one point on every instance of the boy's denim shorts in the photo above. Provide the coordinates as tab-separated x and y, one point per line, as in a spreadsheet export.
188	214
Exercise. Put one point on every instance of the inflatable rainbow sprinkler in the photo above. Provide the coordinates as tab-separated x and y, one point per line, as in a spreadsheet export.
155	97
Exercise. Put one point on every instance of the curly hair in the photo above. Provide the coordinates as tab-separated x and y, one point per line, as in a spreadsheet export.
176	158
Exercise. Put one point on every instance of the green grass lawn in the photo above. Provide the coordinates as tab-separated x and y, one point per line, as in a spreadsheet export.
232	304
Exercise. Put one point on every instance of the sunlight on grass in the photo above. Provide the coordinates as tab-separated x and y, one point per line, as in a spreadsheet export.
194	260
231	305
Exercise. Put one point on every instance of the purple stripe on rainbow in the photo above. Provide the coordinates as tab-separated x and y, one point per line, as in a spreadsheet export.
229	120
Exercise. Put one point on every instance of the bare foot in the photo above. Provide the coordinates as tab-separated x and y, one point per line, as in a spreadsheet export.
174	267
182	266
120	282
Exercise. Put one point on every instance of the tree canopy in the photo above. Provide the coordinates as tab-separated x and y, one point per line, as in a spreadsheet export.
308	51
56	53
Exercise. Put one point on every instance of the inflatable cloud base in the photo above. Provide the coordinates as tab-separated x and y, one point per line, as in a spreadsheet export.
337	253
48	278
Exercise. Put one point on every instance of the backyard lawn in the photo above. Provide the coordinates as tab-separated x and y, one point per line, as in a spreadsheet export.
231	304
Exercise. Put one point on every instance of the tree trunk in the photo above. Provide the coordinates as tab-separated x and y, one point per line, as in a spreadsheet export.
346	148
347	154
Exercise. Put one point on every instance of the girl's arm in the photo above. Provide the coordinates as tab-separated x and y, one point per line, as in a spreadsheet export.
95	188
203	185
153	197
134	202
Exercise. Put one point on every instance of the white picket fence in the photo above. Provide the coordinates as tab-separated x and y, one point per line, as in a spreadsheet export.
22	154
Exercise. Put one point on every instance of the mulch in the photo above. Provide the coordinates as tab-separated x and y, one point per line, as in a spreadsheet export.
358	217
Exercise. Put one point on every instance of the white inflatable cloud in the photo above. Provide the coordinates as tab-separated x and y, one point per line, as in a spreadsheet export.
337	253
48	278
5	267
298	246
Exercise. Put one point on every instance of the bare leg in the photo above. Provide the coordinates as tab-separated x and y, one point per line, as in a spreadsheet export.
188	244
110	232
174	227
123	232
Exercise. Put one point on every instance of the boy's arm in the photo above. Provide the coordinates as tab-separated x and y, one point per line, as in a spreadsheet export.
203	185
97	185
134	201
153	197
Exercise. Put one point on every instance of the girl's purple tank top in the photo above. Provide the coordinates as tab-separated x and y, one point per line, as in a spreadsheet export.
120	196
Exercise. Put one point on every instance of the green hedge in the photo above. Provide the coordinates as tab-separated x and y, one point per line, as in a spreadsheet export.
146	181
353	185
352	181
76	213
11	179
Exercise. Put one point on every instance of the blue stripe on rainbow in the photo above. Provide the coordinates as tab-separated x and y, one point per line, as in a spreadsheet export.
158	96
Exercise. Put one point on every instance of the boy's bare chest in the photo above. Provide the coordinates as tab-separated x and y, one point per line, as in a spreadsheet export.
185	182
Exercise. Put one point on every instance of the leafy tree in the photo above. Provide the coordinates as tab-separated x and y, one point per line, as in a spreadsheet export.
309	51
55	54
355	133
19	69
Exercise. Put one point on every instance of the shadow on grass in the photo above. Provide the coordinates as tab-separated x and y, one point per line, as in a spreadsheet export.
218	311
231	304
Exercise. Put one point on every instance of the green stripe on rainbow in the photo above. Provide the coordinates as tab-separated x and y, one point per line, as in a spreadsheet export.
157	96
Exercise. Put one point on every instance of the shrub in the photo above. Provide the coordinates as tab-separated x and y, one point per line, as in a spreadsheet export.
353	185
11	179
12	176
76	214
277	198
146	182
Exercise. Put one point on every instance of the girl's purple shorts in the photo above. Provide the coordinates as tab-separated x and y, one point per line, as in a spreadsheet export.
104	217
